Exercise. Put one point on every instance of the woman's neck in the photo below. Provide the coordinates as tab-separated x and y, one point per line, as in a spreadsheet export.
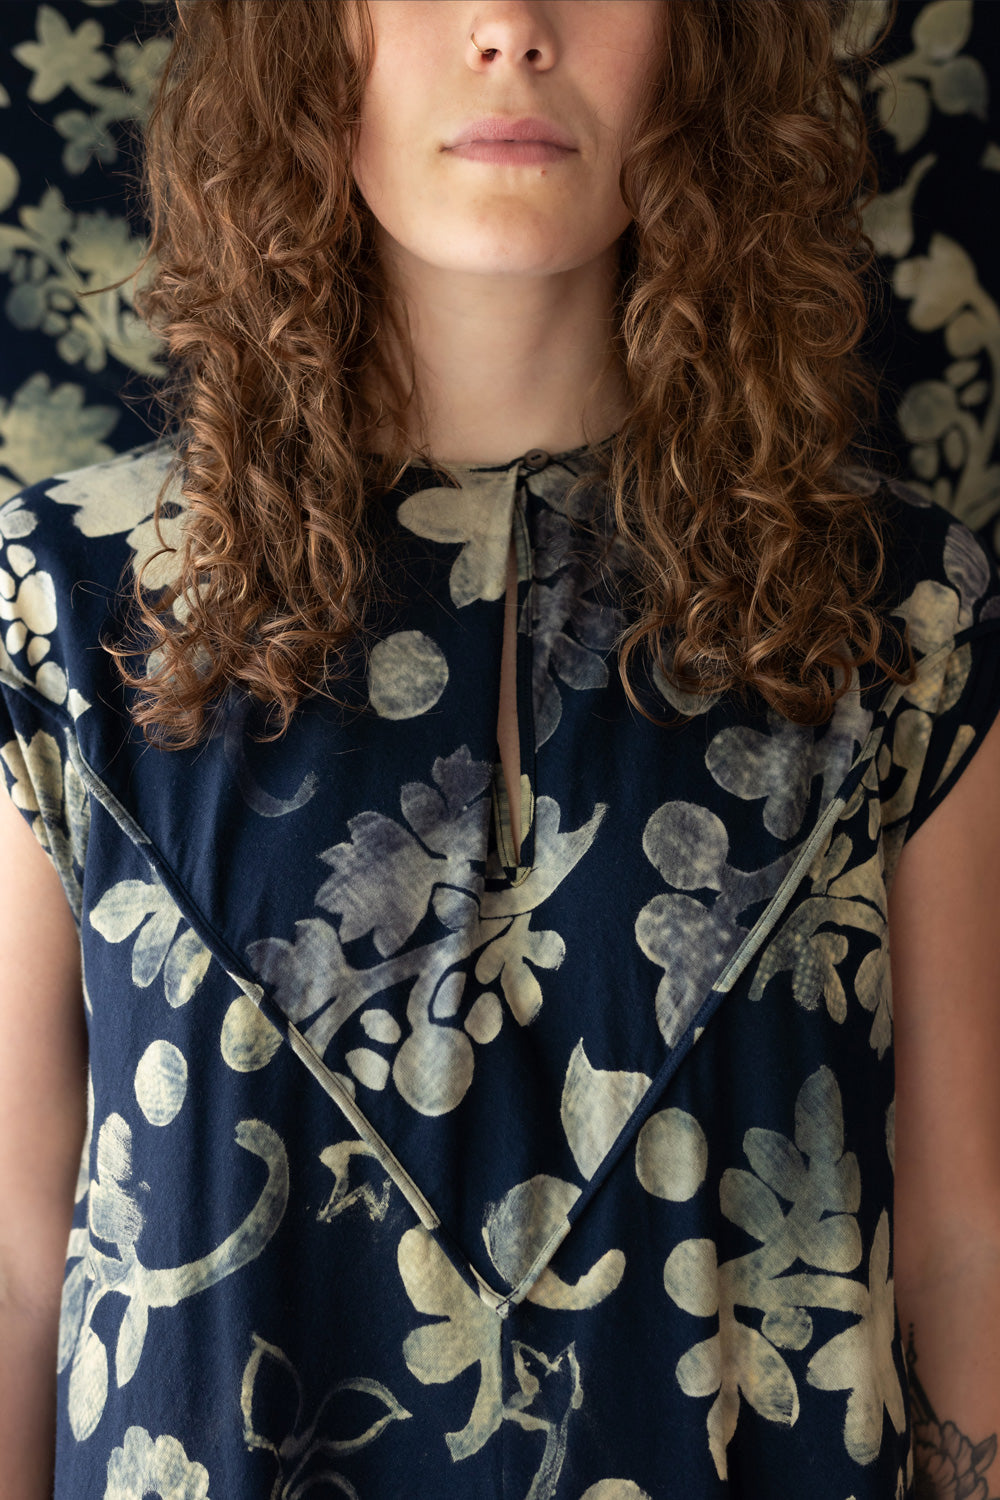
509	363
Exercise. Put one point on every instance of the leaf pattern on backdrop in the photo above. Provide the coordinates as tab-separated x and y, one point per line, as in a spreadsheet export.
951	421
56	250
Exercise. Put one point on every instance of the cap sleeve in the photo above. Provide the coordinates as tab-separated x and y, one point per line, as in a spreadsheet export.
39	752
936	723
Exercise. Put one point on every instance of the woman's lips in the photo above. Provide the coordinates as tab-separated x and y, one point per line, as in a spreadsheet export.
512	153
507	142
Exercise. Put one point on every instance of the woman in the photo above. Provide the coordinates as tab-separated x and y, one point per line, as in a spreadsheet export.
479	826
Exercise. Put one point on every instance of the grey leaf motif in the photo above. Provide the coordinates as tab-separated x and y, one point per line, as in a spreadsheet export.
578	667
571	637
670	926
382	882
306	972
384	878
449	820
775	766
966	569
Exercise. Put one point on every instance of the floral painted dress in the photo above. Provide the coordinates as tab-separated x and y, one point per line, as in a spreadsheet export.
416	1170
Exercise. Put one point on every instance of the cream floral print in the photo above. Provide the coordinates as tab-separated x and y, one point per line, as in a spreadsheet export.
558	1180
306	1451
820	1183
161	1468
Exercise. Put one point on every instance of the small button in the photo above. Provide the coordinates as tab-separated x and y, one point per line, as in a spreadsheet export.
535	459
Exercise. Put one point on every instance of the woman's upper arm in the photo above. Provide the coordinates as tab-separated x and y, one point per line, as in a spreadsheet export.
944	929
43	1054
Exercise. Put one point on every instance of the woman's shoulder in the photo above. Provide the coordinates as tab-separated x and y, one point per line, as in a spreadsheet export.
79	513
940	577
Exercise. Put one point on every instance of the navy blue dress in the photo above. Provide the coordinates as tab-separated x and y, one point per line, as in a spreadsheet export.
415	1169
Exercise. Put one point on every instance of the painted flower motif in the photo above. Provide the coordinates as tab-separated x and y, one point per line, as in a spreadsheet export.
16	520
62	58
513	957
383	880
421	879
860	1360
28	608
476	516
46	784
147	909
142	1467
689	846
467	1333
874	990
821	1185
104	1263
774	766
273	1403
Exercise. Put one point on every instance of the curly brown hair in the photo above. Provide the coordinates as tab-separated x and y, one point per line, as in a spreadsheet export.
753	563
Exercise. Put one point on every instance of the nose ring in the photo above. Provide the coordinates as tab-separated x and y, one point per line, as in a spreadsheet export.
483	51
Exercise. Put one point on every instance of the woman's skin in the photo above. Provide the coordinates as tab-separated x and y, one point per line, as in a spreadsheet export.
43	1059
507	272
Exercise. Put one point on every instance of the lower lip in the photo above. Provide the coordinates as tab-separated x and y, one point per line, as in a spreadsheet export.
512	153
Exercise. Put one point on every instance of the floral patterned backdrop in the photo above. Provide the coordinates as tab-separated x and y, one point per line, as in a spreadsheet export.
75	379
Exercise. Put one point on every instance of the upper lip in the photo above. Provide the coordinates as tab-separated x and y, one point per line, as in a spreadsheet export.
496	128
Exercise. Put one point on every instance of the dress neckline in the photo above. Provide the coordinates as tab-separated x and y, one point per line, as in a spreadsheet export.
480	467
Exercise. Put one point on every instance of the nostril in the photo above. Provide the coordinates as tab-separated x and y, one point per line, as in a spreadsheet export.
533	54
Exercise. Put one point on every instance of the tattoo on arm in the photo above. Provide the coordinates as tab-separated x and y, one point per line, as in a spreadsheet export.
948	1465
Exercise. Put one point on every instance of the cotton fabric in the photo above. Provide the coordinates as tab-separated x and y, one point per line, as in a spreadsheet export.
417	1170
